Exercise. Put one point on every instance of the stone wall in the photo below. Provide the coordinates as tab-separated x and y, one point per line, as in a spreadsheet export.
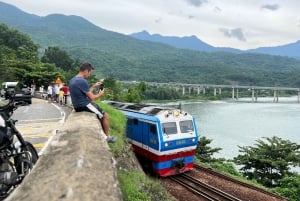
77	165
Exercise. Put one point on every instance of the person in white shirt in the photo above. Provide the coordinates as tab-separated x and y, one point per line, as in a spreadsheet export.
56	92
50	93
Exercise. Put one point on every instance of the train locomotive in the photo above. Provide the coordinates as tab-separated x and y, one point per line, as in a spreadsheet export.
165	137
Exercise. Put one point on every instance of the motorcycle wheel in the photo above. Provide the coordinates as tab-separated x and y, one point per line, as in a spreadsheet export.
24	162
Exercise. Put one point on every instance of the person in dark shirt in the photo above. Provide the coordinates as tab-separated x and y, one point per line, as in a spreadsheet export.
82	97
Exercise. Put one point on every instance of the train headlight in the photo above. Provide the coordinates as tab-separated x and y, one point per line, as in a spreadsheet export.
192	140
176	113
168	144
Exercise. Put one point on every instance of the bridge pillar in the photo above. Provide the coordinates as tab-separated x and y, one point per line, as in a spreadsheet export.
220	91
203	90
235	95
254	95
183	90
198	90
190	89
215	91
276	96
298	96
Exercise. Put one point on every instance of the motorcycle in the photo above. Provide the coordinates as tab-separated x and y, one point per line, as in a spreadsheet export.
17	156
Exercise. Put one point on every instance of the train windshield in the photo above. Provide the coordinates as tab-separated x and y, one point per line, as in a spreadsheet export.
186	126
169	128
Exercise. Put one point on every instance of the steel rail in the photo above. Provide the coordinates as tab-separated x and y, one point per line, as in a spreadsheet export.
217	191
193	189
228	178
202	189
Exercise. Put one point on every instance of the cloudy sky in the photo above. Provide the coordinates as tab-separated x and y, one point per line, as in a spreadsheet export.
222	23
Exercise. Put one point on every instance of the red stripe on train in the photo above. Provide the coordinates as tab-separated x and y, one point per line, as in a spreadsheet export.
160	158
173	171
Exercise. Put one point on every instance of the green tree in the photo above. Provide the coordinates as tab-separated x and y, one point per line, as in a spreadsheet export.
18	55
135	93
7	56
14	39
204	152
58	57
113	89
44	74
290	187
268	162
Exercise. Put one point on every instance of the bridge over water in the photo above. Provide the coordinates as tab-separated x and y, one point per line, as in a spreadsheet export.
235	89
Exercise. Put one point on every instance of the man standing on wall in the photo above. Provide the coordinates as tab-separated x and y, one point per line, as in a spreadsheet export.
82	96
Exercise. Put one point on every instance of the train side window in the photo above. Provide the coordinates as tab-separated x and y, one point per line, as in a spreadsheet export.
153	129
169	128
186	126
135	121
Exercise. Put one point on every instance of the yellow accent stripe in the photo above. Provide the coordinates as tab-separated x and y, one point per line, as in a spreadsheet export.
25	129
39	145
37	135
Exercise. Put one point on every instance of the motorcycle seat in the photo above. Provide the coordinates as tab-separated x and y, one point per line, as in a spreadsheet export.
4	104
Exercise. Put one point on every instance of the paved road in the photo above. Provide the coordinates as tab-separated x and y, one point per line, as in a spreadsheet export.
39	121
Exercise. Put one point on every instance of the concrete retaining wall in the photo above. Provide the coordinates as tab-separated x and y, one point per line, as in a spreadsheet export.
76	165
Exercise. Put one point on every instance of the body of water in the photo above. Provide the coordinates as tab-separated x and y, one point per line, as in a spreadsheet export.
240	123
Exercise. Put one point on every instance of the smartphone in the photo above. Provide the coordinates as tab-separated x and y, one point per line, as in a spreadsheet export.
101	87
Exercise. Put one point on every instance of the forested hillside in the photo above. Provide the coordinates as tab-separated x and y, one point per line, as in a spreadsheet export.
125	58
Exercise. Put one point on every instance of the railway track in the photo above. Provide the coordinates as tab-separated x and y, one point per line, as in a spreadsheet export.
230	179
202	189
205	184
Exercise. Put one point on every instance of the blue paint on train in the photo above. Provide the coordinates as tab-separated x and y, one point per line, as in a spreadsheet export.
166	137
167	164
143	129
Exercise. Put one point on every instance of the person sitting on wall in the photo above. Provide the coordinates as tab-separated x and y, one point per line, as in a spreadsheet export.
82	96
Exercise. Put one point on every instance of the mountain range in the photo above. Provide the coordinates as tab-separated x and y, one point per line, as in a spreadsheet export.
125	57
194	43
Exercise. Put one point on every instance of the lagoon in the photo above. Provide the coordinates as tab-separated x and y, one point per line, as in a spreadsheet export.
240	123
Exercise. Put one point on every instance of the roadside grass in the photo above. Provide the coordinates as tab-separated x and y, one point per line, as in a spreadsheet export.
117	122
138	187
134	184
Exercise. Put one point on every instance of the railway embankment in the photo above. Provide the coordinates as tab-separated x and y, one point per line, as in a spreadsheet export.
77	165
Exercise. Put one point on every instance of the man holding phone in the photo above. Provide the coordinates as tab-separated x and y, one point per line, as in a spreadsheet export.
82	96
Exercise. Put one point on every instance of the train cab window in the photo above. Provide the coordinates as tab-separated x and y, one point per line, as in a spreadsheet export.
169	128
153	129
186	126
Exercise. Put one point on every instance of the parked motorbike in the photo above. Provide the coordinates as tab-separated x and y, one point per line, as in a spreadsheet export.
17	156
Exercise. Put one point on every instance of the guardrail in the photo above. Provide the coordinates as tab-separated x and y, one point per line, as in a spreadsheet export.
77	165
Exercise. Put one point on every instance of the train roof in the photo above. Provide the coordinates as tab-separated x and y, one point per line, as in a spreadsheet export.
139	108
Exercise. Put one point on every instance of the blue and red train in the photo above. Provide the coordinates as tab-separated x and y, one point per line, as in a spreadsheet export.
165	137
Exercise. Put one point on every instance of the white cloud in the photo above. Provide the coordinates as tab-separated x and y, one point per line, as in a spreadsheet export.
231	23
234	33
196	3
